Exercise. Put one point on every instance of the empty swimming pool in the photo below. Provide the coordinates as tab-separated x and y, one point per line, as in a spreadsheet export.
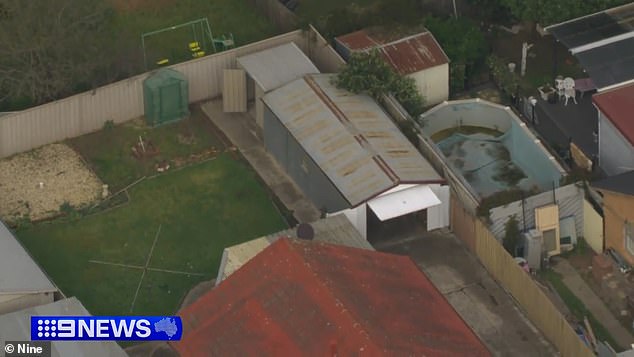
490	147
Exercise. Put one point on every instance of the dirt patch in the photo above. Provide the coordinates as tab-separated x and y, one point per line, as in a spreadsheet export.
35	184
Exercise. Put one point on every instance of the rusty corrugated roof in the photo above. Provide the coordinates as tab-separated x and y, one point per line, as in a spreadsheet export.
349	137
406	55
315	299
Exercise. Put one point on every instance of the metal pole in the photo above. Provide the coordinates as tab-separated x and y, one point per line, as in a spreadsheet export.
455	11
144	55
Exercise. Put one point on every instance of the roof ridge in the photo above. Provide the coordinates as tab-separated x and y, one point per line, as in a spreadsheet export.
356	321
352	129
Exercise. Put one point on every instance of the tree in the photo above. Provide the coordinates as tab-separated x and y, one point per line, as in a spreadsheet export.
547	12
512	236
463	42
369	73
51	49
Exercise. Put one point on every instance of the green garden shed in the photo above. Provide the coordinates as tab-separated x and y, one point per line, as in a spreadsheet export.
166	97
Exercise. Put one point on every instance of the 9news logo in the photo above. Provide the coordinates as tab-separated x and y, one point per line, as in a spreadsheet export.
106	328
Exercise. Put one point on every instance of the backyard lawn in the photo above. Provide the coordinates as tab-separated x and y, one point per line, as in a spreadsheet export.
237	17
185	218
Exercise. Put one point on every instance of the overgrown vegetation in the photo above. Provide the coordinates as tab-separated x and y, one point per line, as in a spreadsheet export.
512	235
507	81
502	198
368	73
463	42
578	309
510	174
52	49
465	130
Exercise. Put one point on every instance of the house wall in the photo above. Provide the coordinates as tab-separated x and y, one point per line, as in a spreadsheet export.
616	154
617	208
592	227
300	166
11	303
433	83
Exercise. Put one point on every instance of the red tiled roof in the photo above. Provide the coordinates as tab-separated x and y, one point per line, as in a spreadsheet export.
406	55
617	104
310	298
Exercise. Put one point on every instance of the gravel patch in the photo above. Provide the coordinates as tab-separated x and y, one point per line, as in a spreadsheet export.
35	184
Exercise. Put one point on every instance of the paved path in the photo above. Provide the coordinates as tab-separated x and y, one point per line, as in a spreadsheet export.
474	294
593	303
241	129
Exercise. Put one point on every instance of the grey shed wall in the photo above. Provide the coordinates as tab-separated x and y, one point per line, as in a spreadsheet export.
299	166
616	154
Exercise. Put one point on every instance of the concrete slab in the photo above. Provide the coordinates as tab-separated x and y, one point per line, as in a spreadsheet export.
481	302
242	131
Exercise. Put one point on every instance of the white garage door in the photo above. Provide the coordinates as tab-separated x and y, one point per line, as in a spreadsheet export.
402	202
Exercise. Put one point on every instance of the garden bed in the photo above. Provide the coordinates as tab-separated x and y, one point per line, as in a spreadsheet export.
34	185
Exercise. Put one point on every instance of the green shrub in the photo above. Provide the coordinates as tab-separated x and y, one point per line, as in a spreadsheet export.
512	235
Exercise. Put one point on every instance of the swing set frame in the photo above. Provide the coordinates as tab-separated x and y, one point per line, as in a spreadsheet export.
201	33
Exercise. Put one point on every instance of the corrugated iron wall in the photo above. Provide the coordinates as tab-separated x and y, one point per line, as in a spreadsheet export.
121	101
569	198
299	165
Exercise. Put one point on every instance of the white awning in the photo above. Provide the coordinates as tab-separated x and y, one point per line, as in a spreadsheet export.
403	202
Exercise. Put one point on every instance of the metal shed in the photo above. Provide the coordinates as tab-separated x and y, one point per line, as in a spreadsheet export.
166	97
343	151
272	68
22	283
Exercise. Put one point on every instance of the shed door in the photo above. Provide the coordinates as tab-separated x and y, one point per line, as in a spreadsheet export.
170	102
234	91
547	222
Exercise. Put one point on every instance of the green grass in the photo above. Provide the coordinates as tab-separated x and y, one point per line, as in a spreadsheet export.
315	9
109	151
578	309
201	210
238	17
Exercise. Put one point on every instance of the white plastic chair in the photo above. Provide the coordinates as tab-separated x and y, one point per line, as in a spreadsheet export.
570	93
569	90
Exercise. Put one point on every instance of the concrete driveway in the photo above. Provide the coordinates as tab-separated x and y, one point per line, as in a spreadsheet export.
481	302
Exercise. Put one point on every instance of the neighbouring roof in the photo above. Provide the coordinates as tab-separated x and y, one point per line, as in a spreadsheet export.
335	229
603	43
277	66
622	183
311	298
349	137
16	326
19	273
616	105
406	55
